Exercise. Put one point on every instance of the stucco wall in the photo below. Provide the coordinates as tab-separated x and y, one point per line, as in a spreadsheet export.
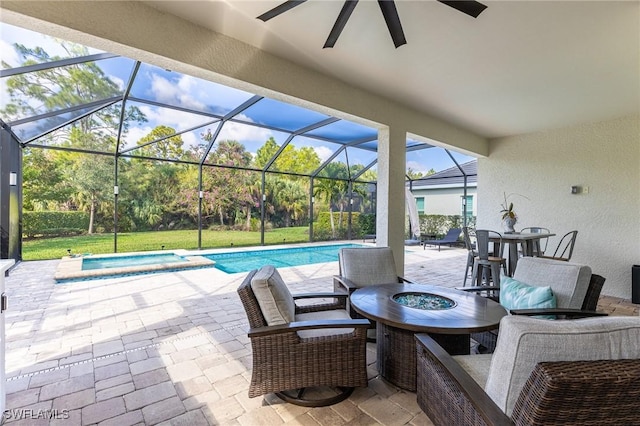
604	156
447	201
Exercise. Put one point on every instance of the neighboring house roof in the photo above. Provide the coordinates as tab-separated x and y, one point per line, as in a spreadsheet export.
451	177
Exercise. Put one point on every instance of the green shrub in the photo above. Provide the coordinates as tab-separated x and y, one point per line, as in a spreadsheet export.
322	226
438	225
54	223
367	222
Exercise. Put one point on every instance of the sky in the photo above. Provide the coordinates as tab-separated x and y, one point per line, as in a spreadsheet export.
164	86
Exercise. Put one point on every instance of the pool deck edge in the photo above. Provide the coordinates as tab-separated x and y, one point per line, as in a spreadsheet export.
70	267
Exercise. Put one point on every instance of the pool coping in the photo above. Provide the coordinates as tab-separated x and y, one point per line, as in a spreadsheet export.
70	267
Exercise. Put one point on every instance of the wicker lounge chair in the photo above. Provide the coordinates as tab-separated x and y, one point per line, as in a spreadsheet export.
362	267
576	290
450	239
296	348
542	373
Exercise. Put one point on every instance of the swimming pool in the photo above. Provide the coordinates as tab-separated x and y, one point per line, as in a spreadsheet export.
244	261
74	268
90	263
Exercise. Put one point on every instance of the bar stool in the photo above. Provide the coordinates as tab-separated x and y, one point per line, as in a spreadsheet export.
485	265
469	234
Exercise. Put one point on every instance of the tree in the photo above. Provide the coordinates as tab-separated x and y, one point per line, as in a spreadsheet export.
58	88
43	180
80	181
303	160
228	187
169	145
332	191
91	178
290	197
413	174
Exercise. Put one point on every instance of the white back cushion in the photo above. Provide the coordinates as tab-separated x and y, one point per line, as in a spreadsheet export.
368	266
568	281
273	296
524	342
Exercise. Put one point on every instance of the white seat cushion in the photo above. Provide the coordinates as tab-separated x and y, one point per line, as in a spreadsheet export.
568	281
273	296
336	314
368	266
476	365
524	342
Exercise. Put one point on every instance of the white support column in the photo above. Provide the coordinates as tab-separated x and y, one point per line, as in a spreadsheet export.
390	210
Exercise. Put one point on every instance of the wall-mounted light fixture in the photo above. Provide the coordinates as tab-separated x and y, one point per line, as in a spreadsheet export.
13	178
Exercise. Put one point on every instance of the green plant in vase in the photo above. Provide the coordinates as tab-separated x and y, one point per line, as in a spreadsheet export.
509	216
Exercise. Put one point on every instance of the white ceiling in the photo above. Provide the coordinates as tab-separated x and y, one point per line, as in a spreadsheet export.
521	66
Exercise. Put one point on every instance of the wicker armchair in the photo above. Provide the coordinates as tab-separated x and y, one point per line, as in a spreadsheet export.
576	289
362	267
578	372
321	346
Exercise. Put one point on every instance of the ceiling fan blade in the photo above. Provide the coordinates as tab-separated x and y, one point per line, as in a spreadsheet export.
470	7
341	21
390	13
287	5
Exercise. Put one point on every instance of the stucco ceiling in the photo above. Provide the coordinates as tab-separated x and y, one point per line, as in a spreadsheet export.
521	66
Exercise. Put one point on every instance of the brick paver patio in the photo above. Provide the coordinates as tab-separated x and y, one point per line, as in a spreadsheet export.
171	348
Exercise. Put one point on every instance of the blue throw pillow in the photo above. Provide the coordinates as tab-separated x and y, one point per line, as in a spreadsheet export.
518	295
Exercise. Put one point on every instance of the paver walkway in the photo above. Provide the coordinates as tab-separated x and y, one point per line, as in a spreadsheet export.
171	348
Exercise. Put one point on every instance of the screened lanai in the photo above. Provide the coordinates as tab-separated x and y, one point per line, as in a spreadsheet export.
137	147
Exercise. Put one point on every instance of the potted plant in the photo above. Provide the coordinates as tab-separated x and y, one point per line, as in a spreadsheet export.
509	216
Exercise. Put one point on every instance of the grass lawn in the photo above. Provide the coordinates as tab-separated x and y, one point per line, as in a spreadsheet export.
55	248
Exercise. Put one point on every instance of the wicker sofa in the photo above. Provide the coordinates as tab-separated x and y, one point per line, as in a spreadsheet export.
585	371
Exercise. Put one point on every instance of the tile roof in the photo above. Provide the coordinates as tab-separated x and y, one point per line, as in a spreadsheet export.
450	176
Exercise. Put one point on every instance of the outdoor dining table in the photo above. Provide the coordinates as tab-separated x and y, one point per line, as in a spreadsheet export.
527	241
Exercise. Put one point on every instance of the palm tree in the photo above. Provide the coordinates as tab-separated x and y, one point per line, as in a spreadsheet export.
328	191
290	197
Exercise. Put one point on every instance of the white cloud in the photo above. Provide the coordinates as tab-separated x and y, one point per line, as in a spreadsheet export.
118	81
323	152
135	134
243	133
418	167
175	94
8	54
179	120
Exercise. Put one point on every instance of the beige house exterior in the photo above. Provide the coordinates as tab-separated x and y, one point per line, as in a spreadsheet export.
442	193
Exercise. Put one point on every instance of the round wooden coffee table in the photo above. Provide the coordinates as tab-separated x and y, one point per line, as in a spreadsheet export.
447	315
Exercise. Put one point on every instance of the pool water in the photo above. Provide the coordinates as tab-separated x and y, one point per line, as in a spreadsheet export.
91	263
245	261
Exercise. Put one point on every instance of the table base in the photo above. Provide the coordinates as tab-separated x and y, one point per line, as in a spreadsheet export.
396	353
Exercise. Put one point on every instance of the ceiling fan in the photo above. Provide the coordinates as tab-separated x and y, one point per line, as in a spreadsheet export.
389	11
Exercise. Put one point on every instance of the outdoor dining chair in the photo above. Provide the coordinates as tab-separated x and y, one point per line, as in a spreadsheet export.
564	250
539	246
